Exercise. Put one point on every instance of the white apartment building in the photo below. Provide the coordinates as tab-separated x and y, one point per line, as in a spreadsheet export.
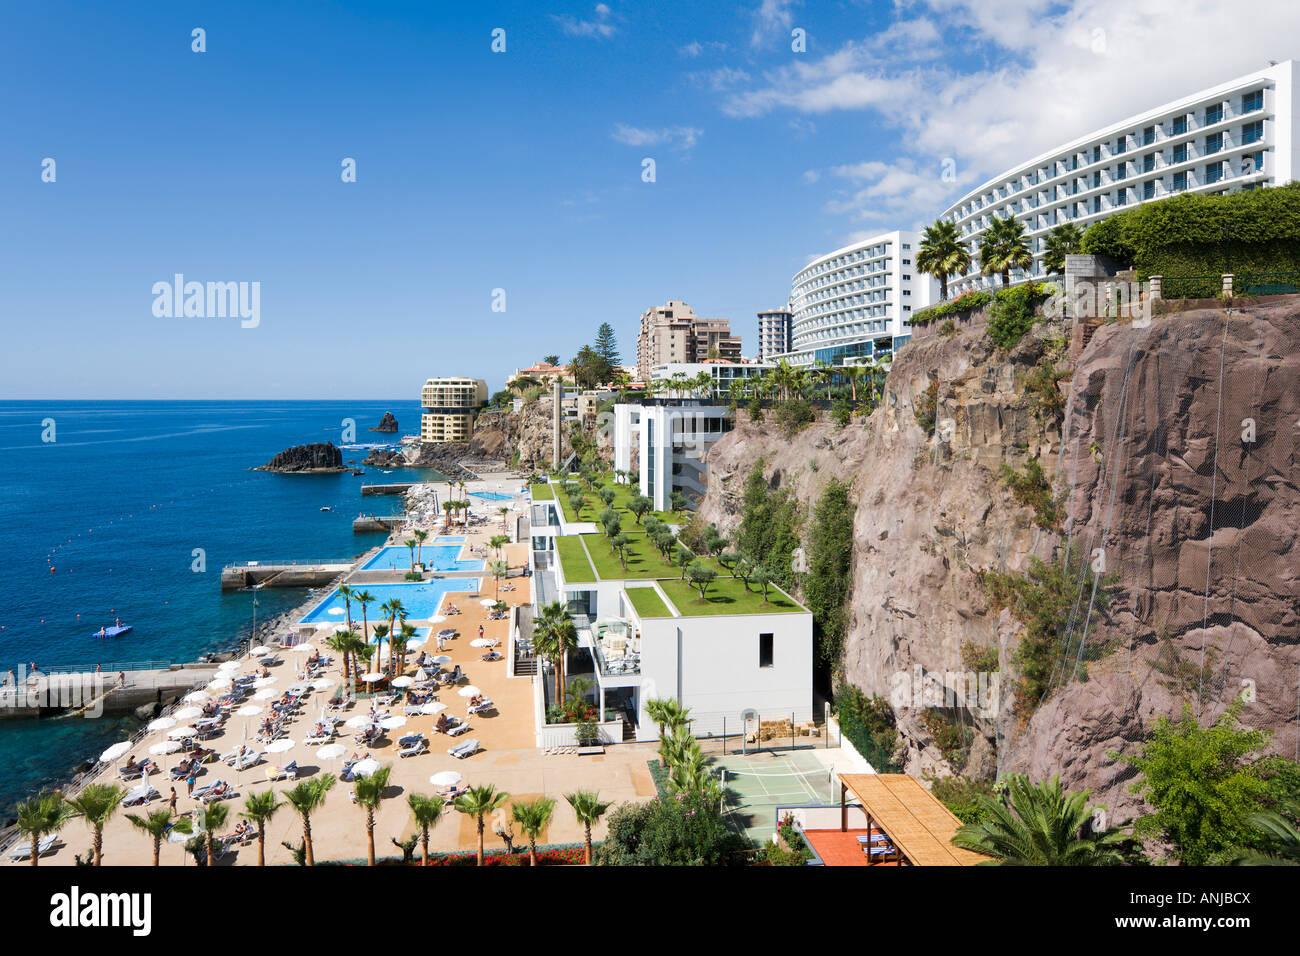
1241	134
774	335
668	441
857	302
727	376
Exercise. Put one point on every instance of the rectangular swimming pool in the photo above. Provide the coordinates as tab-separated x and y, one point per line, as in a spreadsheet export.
490	495
436	557
421	601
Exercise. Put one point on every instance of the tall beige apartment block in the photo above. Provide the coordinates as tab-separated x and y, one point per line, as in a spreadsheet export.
450	406
674	333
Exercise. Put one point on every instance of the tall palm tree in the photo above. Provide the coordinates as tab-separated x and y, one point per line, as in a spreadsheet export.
1062	240
306	799
942	254
337	642
1041	825
156	824
499	570
426	812
397	647
478	803
411	544
345	592
364	598
211	817
532	818
420	536
370	794
851	375
503	511
381	634
554	635
656	708
1004	247
259	808
448	507
41	815
96	804
588	808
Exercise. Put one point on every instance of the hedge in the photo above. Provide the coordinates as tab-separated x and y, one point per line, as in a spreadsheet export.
965	302
1183	235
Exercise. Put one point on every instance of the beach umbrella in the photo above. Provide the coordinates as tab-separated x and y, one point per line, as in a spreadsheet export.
488	602
331	752
417	642
228	666
442	659
187	713
165	747
403	681
162	723
446	778
325	683
260	651
372	677
198	697
179	732
249	710
303	648
483	642
392	723
364	768
115	751
264	682
266	693
279	746
432	707
469	690
438	619
338	628
357	722
221	683
421	674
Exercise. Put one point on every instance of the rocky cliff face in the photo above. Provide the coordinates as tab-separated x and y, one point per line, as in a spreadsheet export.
1152	469
523	437
318	457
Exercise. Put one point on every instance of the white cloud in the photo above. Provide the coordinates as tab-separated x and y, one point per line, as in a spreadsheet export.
675	137
772	19
696	48
600	27
720	80
811	176
899	192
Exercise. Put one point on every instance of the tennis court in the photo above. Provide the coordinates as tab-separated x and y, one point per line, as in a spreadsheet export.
759	783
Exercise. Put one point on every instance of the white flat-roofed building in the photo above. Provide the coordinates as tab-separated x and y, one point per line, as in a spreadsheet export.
774	333
857	302
1241	134
669	440
726	376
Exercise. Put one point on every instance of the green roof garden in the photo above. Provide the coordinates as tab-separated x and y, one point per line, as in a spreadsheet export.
644	562
647	602
727	595
573	559
623	495
542	492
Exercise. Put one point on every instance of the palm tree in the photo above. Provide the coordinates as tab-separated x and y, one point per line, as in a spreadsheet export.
942	254
447	507
156	825
259	808
588	808
96	804
499	570
411	545
306	799
656	708
426	811
1064	239
211	817
851	375
345	592
1004	247
364	598
381	634
369	795
420	536
337	642
503	511
478	803
554	635
40	816
397	647
532	818
1041	825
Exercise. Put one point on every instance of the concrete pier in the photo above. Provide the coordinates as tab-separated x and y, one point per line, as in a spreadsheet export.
369	523
237	576
399	489
100	694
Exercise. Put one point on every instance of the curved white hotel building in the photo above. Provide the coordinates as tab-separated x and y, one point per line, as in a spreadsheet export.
1238	135
856	302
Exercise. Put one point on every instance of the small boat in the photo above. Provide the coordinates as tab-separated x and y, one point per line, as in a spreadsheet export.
327	508
116	631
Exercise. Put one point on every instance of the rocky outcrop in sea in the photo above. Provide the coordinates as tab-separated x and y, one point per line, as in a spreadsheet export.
386	424
317	458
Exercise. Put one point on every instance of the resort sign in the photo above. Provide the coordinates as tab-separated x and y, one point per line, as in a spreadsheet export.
210	300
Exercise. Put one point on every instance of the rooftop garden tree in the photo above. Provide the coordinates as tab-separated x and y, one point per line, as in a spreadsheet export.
639	505
701	576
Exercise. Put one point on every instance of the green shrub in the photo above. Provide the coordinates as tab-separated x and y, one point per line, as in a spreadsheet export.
794	415
1034	491
952	739
964	797
841	413
978	658
966	302
927	407
1041	385
868	723
1012	313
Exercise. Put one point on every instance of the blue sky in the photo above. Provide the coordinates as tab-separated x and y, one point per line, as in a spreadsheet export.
520	171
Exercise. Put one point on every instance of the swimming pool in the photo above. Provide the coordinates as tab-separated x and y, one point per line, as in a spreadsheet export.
490	495
436	557
421	601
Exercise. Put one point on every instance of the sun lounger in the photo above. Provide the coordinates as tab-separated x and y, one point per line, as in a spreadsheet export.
414	747
321	738
139	795
460	728
288	772
479	708
219	791
131	773
461	751
23	851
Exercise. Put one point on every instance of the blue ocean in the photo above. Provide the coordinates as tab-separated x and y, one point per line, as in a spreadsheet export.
131	511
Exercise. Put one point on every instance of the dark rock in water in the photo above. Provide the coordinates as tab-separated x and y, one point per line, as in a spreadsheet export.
445	457
386	424
146	711
317	457
84	767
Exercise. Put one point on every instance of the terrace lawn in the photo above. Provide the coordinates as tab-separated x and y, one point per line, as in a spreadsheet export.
648	603
577	569
542	492
643	559
623	494
726	595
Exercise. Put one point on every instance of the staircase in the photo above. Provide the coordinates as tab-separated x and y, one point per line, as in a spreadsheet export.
629	731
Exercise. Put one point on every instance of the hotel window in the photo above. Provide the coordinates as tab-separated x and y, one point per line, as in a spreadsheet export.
1252	132
1096	204
1178	126
1213	144
1149	189
1148	136
1121	198
1252	163
1096	154
1180	153
1096	178
1121	145
1213	114
1180	182
1148	162
1252	101
1121	171
1214	172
